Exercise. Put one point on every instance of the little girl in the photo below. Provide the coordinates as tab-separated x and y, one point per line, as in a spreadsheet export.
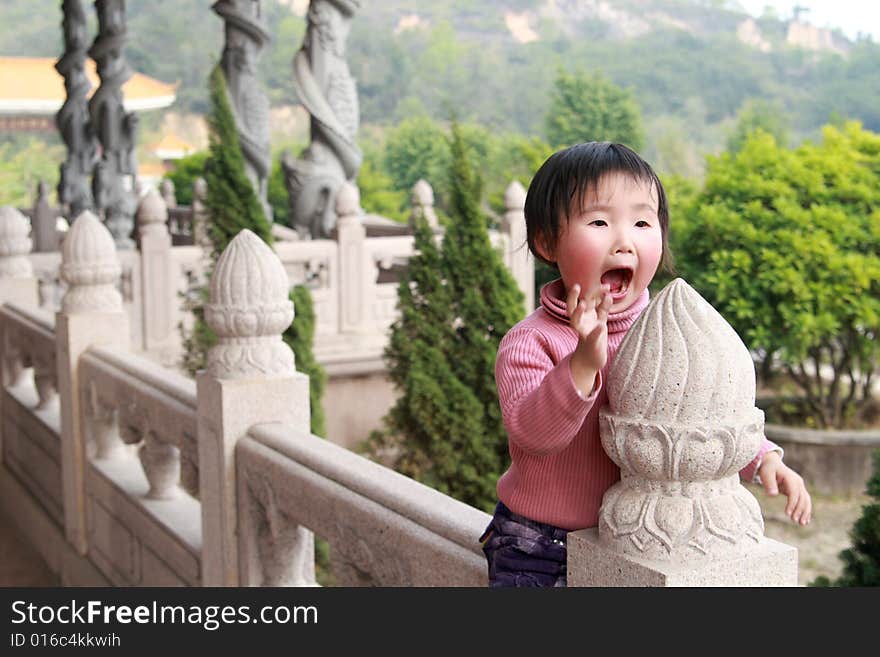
599	213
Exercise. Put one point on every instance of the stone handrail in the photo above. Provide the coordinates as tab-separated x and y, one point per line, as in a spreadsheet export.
384	528
131	400
29	335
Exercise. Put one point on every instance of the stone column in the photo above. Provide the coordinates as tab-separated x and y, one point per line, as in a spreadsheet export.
115	174
157	290
422	202
17	281
74	193
356	272
246	37
329	94
681	423
250	379
521	261
91	314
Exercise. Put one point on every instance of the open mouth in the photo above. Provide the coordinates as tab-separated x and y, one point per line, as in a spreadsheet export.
619	280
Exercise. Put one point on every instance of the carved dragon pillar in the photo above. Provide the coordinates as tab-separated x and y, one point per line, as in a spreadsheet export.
116	130
73	117
246	36
328	92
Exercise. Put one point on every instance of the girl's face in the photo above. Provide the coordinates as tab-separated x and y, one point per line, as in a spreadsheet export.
614	239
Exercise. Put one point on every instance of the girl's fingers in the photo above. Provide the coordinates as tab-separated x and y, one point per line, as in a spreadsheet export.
571	301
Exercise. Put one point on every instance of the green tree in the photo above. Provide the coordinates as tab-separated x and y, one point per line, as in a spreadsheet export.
184	174
862	560
300	337
455	305
757	114
233	205
785	244
587	107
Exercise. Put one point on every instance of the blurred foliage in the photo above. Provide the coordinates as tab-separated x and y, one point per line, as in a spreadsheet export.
589	107
786	244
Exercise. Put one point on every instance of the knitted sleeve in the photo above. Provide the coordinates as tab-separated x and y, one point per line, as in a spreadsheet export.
541	407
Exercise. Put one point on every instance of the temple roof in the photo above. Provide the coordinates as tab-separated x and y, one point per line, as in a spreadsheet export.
172	147
31	85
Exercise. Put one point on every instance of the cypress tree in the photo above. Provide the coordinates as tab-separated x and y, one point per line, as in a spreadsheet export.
233	205
300	337
455	304
861	562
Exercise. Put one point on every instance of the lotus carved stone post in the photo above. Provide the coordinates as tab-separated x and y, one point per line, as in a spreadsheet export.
91	314
115	128
17	281
250	379
328	92
681	423
73	117
246	36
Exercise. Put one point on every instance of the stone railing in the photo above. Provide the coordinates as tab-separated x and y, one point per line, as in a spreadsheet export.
353	278
121	472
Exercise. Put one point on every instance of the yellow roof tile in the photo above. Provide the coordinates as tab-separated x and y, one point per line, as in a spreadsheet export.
32	84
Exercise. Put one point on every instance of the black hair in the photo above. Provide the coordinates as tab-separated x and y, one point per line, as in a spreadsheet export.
567	175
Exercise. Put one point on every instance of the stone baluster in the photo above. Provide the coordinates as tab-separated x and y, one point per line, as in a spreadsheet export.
44	223
200	214
45	379
356	272
157	291
681	423
161	463
91	314
519	258
250	378
422	201
17	281
104	427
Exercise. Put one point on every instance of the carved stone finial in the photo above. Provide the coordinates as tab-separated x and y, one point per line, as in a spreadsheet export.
15	244
249	309
152	214
166	189
90	267
422	199
348	200
681	423
515	196
200	189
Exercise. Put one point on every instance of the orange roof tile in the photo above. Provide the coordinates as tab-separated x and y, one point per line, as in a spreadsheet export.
172	147
32	85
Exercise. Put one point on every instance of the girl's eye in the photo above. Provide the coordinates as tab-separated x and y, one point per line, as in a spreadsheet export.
641	223
598	222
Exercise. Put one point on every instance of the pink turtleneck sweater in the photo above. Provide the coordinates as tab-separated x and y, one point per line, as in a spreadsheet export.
559	471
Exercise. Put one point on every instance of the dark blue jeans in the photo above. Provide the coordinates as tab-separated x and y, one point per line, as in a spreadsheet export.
523	552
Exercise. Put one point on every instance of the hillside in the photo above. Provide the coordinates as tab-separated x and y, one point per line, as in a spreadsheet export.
692	64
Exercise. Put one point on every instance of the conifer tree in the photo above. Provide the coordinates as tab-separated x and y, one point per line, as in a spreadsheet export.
455	305
861	562
300	337
232	205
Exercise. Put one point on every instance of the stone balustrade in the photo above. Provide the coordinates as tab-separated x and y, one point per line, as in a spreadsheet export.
384	529
137	476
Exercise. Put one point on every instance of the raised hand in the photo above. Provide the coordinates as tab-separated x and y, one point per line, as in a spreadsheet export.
589	318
